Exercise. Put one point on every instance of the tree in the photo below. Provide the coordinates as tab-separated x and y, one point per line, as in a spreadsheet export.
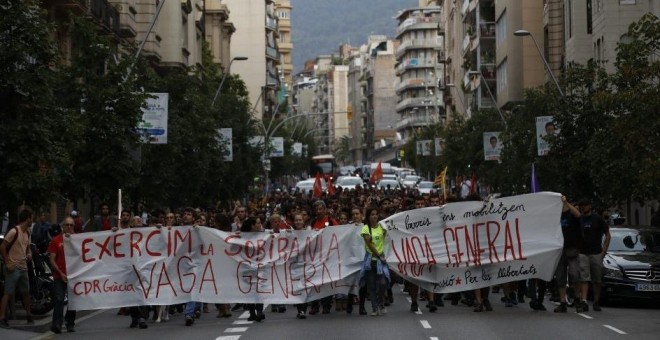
32	147
104	109
343	149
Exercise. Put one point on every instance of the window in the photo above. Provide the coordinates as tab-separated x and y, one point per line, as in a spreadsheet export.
502	77
500	29
569	18
589	17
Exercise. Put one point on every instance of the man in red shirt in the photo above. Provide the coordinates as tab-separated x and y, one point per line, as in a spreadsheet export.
58	264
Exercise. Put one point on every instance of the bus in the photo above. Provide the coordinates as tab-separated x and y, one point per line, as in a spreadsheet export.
326	165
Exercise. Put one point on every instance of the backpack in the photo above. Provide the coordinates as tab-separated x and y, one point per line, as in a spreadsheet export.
11	243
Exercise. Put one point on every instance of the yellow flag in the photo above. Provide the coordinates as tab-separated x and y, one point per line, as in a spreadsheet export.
440	180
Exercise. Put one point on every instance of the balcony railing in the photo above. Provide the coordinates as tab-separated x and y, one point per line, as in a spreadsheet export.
414	102
418	43
412	121
487	30
419	22
271	52
106	14
271	23
414	63
415	82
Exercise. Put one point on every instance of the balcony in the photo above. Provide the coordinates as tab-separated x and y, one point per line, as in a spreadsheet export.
271	23
420	22
105	14
413	120
271	53
488	72
285	46
487	30
414	102
271	79
414	63
409	83
418	44
127	23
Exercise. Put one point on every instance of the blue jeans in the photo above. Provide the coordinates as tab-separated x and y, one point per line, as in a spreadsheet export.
191	307
59	292
376	284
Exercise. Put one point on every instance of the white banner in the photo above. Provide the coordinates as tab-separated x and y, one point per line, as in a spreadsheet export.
426	147
297	149
469	245
438	146
277	147
149	266
492	146
154	118
227	143
545	126
456	247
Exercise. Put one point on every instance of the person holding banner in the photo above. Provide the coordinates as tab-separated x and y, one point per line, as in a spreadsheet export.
58	264
375	265
299	225
321	221
254	225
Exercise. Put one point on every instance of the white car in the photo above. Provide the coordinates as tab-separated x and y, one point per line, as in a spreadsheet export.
349	182
410	181
383	183
425	187
307	185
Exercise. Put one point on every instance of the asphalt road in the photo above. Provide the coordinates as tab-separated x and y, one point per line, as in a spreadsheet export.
449	322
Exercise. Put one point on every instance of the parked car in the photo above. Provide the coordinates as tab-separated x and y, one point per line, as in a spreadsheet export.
383	183
425	187
346	170
307	185
410	181
632	264
349	182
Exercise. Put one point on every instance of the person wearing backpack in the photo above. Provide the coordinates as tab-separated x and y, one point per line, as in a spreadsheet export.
15	252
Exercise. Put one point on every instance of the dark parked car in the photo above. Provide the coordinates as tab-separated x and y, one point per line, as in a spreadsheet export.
632	264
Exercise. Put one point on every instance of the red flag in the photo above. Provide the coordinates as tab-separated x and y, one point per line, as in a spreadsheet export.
331	188
473	183
377	174
318	189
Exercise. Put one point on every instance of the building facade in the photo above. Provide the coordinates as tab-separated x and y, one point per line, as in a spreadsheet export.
420	66
256	38
218	32
283	10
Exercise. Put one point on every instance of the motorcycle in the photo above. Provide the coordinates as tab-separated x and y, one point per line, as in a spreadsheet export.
41	281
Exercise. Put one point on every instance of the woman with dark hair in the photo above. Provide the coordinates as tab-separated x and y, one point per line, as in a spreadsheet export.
254	225
375	265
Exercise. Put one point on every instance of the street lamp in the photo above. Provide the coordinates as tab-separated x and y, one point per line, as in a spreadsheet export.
474	73
224	76
524	33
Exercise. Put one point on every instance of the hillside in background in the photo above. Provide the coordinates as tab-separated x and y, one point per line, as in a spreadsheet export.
320	26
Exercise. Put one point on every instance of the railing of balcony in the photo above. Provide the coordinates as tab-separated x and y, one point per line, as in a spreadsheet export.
413	21
414	62
271	52
271	23
487	30
422	43
415	82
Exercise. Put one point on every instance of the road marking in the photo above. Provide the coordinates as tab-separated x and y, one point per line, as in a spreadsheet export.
245	315
242	322
49	334
425	324
434	338
419	311
584	316
236	330
615	329
228	337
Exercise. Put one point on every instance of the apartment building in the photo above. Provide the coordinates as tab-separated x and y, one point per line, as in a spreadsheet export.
381	115
175	40
357	104
256	38
218	30
420	67
518	62
283	10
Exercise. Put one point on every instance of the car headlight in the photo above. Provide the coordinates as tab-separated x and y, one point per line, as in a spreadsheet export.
613	273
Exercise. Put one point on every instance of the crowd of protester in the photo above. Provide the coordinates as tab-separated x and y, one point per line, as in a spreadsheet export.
362	207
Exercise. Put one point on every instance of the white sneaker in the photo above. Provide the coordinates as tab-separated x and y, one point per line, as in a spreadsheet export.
383	311
375	313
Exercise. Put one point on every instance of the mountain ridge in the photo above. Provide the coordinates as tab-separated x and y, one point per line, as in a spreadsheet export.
320	26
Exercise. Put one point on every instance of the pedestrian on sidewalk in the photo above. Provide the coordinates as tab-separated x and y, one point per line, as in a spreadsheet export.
58	264
15	252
